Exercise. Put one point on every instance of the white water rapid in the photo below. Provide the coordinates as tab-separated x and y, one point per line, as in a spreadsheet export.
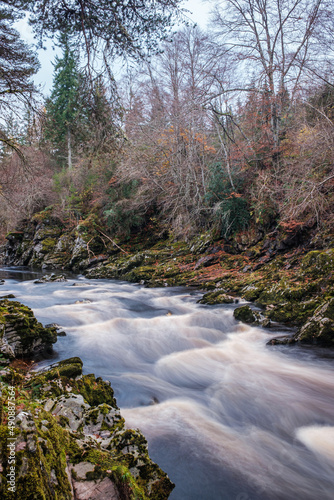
225	415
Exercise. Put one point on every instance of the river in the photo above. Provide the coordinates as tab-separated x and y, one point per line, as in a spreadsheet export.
225	415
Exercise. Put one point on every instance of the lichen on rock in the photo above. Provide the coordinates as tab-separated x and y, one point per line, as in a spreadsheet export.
69	444
20	332
319	329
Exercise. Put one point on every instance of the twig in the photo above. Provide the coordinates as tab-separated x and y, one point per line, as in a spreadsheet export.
112	241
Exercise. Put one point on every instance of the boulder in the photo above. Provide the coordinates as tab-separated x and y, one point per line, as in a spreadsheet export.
246	315
319	329
20	332
51	278
216	297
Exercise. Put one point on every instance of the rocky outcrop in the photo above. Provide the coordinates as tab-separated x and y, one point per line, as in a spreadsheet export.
319	329
286	281
216	297
45	242
247	315
21	335
71	442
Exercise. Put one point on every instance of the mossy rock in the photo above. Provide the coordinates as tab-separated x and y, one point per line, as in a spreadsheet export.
320	327
48	245
168	271
21	331
121	456
200	244
95	390
284	291
246	315
294	313
40	461
48	231
67	373
143	273
69	368
217	297
252	292
318	263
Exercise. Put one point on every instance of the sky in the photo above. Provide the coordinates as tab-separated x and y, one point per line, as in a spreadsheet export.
199	14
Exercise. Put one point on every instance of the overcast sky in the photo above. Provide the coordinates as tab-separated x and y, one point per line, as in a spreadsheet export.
199	14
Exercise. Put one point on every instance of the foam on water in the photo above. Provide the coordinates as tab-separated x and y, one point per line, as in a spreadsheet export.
225	415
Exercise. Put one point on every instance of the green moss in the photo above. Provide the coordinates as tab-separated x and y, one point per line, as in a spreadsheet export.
40	473
318	263
245	314
69	368
252	292
19	318
140	273
294	313
95	390
218	297
48	245
320	327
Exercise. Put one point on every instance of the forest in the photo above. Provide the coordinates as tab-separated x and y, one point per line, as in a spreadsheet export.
166	221
220	130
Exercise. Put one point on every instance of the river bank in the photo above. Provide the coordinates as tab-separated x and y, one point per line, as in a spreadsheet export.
289	273
61	432
224	414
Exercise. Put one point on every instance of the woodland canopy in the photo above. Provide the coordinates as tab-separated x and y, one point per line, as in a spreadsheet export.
226	130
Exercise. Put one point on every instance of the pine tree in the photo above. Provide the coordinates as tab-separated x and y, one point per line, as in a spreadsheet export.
64	107
18	64
102	132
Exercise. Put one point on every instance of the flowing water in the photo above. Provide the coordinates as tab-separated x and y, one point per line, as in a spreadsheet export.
226	416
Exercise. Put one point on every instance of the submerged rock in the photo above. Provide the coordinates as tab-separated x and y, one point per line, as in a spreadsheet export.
50	278
282	340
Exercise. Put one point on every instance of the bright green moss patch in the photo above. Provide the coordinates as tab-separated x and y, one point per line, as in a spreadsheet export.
21	331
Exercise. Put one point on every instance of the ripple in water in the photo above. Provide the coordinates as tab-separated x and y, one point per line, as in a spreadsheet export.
226	416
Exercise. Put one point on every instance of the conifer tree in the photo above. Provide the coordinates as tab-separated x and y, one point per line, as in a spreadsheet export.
18	63
64	107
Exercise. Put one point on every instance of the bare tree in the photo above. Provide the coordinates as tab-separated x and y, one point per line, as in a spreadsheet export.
272	43
171	129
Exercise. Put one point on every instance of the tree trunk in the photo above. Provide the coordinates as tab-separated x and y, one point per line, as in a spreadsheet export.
69	150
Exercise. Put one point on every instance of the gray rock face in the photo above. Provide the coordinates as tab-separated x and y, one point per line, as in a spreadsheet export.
79	252
102	489
101	417
73	408
319	329
20	333
80	470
